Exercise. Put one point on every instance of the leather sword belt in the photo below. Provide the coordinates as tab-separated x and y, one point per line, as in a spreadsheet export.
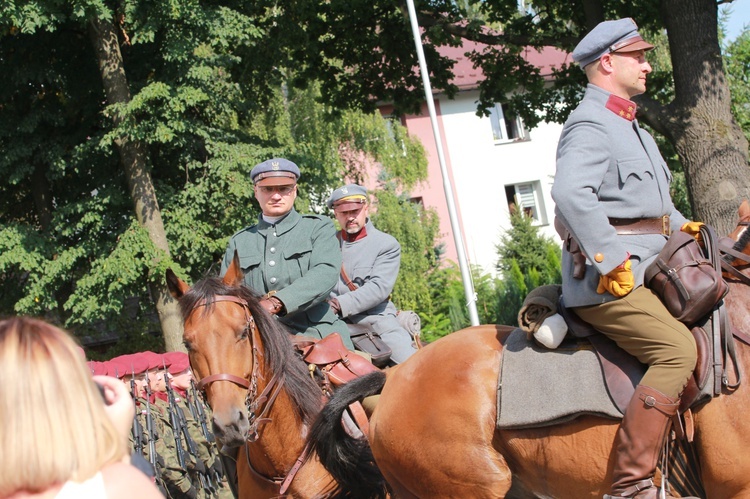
634	226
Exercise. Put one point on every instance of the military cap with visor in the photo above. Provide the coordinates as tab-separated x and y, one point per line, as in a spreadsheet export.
348	197
607	37
276	171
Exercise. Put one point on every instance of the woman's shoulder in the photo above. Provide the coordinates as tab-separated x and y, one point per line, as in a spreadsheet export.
124	481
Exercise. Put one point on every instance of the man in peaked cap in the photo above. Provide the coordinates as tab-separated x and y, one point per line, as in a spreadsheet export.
611	191
292	259
371	260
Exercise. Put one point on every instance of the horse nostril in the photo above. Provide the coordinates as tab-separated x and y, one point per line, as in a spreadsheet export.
242	415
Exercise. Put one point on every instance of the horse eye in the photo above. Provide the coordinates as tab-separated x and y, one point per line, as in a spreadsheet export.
187	344
245	333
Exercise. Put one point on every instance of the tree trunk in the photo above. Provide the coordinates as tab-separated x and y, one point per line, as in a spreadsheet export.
134	163
709	142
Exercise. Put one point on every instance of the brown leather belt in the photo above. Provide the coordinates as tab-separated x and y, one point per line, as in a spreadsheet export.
634	226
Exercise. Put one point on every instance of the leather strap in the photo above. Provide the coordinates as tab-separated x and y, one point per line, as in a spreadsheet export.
634	226
360	417
223	377
347	281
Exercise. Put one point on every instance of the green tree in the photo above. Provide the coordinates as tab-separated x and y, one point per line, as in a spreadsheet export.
737	63
75	245
342	44
449	311
526	260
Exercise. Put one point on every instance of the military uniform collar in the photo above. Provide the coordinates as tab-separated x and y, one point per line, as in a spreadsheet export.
623	108
350	238
283	225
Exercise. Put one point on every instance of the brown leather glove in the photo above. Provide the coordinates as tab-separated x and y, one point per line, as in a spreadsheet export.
334	304
272	305
694	229
619	282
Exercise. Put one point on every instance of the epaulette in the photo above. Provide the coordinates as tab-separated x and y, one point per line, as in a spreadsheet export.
244	229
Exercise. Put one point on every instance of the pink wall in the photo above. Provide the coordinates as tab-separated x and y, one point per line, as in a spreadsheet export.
432	191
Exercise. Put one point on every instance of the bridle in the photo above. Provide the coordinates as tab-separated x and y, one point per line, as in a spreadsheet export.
253	403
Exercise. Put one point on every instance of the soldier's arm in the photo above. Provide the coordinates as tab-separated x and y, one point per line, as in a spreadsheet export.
378	283
322	273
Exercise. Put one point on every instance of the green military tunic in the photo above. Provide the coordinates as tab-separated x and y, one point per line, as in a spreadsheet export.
299	259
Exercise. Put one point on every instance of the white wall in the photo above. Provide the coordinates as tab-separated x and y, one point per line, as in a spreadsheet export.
481	170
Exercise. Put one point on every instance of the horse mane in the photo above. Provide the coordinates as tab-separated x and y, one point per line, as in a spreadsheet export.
278	353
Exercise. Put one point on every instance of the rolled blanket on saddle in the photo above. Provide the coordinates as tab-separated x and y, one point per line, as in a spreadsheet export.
538	316
409	320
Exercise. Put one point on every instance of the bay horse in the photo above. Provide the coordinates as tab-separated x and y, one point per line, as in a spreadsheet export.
261	394
433	432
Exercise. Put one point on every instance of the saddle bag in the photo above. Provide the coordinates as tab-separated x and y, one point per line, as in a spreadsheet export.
336	363
689	284
366	340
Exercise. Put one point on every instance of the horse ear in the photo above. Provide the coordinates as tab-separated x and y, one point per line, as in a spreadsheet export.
177	287
234	276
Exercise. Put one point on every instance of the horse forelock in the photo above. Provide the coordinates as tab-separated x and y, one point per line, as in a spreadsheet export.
278	352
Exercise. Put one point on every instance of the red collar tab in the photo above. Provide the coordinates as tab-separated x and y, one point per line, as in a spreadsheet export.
350	238
621	107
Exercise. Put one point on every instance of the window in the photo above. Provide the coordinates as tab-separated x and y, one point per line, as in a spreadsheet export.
527	196
506	126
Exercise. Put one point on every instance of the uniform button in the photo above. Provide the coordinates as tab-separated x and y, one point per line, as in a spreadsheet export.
599	258
273	280
274	234
272	263
272	250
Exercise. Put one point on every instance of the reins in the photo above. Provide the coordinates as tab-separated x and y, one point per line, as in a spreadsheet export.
263	402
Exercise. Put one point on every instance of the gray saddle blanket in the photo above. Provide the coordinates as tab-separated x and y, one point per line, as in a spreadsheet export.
542	387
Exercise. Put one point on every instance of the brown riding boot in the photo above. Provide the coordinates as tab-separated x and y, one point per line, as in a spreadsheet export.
639	441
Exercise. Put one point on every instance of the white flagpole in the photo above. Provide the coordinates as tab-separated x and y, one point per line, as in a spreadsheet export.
471	297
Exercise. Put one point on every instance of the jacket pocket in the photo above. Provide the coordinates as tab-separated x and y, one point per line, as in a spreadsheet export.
249	262
639	169
298	258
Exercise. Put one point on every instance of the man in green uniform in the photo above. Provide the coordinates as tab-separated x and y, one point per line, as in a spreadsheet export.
291	259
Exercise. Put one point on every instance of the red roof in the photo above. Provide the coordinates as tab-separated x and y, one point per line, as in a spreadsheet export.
467	76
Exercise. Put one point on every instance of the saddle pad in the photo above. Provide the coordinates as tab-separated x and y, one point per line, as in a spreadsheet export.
542	387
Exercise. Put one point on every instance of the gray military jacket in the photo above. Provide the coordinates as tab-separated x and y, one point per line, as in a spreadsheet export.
608	167
372	263
299	259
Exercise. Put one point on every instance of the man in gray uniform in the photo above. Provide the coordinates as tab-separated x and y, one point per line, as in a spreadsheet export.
371	260
611	192
292	259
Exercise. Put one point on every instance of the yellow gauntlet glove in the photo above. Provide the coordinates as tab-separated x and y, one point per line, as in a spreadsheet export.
694	229
619	282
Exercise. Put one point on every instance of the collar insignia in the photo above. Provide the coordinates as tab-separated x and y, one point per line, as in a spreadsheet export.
623	108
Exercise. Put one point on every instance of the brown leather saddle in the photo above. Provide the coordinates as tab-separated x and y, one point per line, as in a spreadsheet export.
331	361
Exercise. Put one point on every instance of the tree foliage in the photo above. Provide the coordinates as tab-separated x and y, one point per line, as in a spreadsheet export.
737	62
217	87
70	249
526	260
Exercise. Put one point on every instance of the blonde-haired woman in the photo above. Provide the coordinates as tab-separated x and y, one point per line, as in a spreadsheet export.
58	437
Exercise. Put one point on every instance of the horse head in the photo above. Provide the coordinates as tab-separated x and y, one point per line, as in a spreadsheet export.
241	356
